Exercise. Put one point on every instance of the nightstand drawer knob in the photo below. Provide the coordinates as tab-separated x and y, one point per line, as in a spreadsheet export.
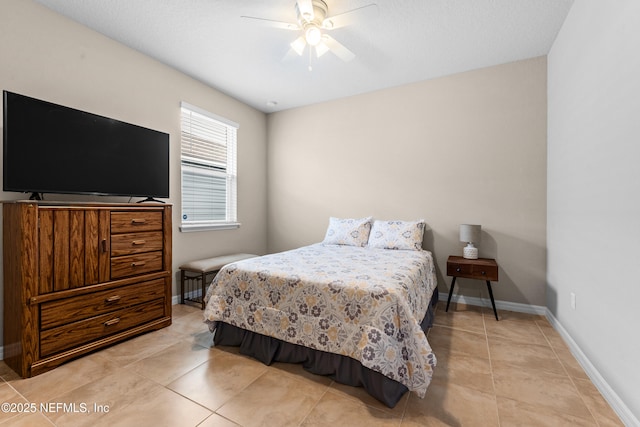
458	269
484	273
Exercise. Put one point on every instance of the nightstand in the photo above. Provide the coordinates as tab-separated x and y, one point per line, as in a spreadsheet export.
480	269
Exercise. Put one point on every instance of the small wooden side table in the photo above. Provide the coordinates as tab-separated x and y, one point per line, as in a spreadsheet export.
481	269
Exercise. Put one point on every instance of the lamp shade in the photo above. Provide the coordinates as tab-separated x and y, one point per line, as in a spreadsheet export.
469	233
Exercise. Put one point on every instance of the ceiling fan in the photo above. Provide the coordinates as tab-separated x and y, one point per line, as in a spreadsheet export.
313	22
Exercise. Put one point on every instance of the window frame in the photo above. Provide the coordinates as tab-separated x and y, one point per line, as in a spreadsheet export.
229	173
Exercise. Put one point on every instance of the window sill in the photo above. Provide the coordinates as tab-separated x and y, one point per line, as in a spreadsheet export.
187	228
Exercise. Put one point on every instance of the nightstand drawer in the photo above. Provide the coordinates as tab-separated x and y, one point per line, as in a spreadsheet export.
485	272
460	270
481	269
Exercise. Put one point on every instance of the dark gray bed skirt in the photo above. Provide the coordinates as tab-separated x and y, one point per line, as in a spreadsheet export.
342	369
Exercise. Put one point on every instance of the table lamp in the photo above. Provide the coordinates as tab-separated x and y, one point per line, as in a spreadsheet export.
470	234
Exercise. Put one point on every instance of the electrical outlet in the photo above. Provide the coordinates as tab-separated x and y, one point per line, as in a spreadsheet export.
573	300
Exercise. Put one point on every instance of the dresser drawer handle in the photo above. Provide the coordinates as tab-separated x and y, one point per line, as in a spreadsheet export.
484	273
113	298
112	322
138	221
138	264
458	269
139	242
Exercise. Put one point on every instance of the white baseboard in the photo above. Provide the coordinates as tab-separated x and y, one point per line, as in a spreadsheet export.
622	410
500	305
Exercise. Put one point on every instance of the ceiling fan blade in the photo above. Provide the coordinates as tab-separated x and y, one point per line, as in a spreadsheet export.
337	48
305	8
290	55
298	45
274	24
348	17
321	49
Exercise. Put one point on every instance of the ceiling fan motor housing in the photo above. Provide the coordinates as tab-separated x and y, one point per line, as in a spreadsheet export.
311	23
319	13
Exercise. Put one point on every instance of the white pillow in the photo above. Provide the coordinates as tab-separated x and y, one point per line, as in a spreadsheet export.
348	232
405	235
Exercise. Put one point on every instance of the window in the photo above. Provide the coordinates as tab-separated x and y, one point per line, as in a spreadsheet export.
208	164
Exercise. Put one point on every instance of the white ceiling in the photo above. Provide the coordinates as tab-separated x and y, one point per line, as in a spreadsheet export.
397	42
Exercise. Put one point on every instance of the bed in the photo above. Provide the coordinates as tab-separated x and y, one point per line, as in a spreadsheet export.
357	312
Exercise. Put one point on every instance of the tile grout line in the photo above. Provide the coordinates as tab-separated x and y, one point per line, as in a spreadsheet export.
218	415
493	381
236	394
591	412
406	404
458	328
315	404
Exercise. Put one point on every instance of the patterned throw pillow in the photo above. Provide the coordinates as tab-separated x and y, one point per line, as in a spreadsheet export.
397	235
348	232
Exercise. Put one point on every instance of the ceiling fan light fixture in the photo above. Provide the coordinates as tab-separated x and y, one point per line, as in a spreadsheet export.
314	26
313	35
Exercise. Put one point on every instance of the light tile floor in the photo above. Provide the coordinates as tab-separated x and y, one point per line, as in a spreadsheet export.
517	371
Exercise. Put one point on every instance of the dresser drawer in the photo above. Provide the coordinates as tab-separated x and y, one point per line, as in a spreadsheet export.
60	312
134	221
84	331
132	265
134	243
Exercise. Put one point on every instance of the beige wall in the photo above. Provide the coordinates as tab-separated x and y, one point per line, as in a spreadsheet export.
468	148
50	57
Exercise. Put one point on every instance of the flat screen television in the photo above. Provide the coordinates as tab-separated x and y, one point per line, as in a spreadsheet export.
49	148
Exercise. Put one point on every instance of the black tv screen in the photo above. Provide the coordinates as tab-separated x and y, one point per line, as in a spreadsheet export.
49	148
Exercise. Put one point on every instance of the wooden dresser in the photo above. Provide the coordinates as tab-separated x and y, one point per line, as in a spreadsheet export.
80	277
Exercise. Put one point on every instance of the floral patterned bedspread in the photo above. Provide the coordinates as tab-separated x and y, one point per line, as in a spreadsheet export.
363	303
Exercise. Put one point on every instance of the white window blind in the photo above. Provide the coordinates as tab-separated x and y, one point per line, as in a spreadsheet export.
208	163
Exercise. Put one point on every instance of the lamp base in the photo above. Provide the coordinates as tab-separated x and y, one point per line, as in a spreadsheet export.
470	252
